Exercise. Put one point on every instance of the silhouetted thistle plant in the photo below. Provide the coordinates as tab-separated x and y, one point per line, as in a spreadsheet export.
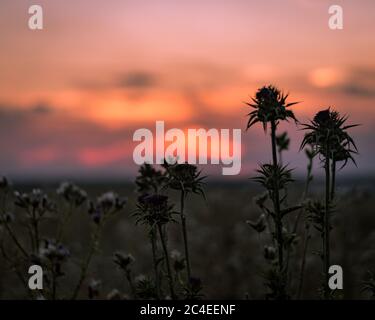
125	262
270	107
93	289
106	205
149	179
368	285
51	256
186	179
156	212
35	204
327	134
73	197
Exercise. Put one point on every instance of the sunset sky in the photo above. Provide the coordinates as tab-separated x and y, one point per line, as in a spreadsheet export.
72	95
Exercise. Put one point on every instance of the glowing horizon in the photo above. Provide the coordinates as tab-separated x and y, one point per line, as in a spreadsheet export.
72	94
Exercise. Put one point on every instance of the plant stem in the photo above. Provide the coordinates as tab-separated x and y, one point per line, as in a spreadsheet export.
131	284
15	240
93	247
333	179
306	240
184	233
154	257
326	246
276	199
170	278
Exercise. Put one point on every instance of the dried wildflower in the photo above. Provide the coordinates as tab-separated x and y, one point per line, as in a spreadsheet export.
259	225
145	288
6	218
72	193
329	137
282	142
193	290
275	281
315	214
369	284
124	261
184	177
94	288
270	106
35	202
115	294
109	201
4	183
154	210
260	200
178	261
149	179
53	251
270	253
272	177
107	204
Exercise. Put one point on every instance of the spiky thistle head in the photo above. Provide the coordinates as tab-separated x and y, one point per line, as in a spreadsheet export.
271	176
270	106
185	177
153	210
149	179
329	138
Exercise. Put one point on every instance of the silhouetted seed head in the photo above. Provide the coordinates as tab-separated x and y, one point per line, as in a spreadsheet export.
270	253
369	284
115	294
271	176
260	199
124	261
315	213
72	193
194	288
107	204
282	142
259	225
153	210
35	201
6	218
323	117
184	177
53	251
4	183
328	136
94	288
149	179
178	261
145	287
270	105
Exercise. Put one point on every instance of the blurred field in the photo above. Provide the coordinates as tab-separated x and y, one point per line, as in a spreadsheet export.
226	253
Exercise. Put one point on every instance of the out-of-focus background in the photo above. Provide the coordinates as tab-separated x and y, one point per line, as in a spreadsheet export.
225	252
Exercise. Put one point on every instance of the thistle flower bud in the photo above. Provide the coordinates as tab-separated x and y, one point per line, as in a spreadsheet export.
94	288
4	183
178	261
259	225
72	193
270	106
124	261
269	253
